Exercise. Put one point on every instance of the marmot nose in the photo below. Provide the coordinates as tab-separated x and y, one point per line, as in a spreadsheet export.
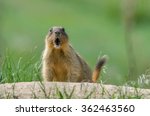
57	32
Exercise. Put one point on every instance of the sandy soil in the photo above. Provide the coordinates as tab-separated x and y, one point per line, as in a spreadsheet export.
54	90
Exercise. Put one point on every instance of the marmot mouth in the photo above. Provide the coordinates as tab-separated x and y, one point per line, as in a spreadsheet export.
57	43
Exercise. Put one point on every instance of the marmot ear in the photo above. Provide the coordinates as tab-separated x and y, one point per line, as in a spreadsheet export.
63	29
50	30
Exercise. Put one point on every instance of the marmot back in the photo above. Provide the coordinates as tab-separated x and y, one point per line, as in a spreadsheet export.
61	63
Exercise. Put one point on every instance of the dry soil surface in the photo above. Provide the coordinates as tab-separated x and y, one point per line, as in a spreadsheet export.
54	90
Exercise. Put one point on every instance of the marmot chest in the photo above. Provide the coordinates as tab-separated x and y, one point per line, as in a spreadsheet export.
60	69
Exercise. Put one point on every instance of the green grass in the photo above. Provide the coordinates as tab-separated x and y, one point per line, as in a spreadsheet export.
19	70
94	27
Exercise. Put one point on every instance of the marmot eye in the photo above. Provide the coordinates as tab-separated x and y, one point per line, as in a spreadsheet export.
63	29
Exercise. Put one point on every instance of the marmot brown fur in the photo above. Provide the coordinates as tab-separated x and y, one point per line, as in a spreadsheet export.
61	63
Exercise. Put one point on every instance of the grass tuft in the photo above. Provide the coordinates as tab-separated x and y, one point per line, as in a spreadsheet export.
14	70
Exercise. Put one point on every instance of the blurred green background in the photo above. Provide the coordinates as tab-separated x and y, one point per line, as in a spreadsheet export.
95	27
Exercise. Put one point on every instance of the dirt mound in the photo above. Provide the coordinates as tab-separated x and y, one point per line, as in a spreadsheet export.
52	90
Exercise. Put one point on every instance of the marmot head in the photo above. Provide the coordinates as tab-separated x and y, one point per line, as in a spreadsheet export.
57	37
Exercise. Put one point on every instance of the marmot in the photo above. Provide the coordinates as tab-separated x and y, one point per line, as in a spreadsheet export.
61	63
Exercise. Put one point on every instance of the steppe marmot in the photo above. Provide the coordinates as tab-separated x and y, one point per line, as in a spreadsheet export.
61	63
